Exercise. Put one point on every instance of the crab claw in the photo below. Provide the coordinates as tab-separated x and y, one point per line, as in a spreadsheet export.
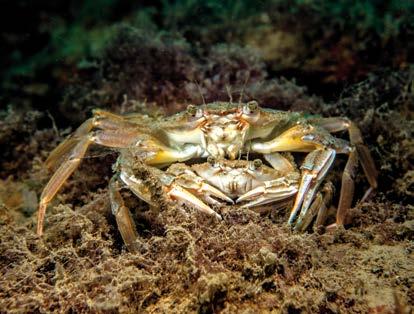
271	191
177	192
183	176
211	190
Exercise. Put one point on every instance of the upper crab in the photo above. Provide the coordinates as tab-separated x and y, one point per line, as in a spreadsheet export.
222	129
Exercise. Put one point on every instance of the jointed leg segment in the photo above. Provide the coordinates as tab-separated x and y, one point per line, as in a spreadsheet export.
58	178
315	138
122	215
72	150
108	130
101	120
314	170
318	208
341	124
360	153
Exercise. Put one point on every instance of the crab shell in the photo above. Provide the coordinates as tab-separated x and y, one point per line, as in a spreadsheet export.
223	129
238	178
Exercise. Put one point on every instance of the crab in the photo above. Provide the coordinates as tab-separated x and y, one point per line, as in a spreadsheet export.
224	132
207	186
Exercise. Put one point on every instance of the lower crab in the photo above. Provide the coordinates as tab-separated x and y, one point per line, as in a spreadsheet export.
251	184
215	183
225	132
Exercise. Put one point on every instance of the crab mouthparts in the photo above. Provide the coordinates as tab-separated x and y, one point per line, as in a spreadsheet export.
223	150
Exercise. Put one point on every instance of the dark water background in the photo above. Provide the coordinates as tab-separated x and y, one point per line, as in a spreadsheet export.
325	45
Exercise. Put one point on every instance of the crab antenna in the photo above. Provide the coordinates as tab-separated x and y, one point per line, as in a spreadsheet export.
228	89
199	90
244	86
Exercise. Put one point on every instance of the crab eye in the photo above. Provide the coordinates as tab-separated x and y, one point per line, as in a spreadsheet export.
257	163
251	111
191	109
252	105
194	111
211	160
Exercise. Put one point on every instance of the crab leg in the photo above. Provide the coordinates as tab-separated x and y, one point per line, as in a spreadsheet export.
300	138
175	191
178	193
302	224
360	152
58	178
122	215
328	192
304	138
67	168
75	147
273	190
207	190
137	186
110	121
341	124
314	169
270	191
188	187
68	144
190	181
162	155
277	161
347	188
100	120
318	208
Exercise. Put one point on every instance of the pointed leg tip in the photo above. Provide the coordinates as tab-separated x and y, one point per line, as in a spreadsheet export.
40	218
39	230
368	194
333	227
298	225
229	200
291	219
